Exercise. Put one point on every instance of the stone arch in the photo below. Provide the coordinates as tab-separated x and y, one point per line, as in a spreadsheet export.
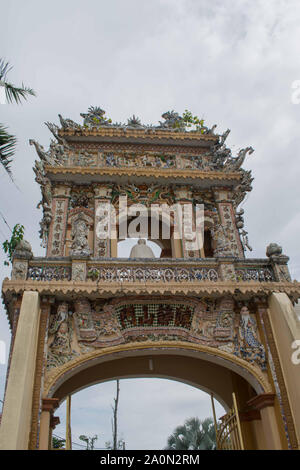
166	244
178	361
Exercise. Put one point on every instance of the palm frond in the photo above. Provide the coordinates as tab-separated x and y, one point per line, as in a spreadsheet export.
193	435
14	94
7	148
4	69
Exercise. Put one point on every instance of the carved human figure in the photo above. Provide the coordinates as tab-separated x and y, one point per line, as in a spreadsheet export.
60	328
109	325
249	345
222	247
84	321
141	250
79	236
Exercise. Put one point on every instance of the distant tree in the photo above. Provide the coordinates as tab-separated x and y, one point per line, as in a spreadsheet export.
193	435
115	418
89	441
13	94
115	443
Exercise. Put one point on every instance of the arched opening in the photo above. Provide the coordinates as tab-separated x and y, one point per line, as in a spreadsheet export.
149	410
207	369
157	230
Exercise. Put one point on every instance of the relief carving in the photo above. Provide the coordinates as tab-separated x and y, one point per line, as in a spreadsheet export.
79	235
102	324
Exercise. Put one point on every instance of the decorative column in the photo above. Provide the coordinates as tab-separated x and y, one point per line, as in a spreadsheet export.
17	409
265	404
105	241
47	422
41	361
252	427
186	221
227	235
16	314
57	233
283	333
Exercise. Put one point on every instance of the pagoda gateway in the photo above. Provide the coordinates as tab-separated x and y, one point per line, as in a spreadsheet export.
201	313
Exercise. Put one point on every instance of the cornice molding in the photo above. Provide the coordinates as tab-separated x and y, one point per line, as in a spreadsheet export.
148	133
165	173
173	288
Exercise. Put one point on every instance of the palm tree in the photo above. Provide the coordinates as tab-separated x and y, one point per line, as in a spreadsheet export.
193	435
13	94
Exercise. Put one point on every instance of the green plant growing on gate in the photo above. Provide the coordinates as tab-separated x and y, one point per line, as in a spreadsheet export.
10	245
191	120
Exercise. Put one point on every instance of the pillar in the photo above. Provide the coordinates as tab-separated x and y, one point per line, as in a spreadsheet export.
47	422
104	247
265	404
285	327
17	409
223	199
252	430
58	225
186	221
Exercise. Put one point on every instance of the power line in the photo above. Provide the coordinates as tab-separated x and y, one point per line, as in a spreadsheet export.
5	221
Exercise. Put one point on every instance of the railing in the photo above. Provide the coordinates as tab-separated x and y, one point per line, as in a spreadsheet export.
144	271
228	429
49	273
153	274
258	274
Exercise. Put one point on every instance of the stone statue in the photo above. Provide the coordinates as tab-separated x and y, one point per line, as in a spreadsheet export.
68	123
79	236
141	250
47	157
46	201
223	137
243	187
233	164
273	250
54	129
23	250
59	326
172	121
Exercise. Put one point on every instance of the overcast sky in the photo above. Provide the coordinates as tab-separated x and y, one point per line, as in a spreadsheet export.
231	62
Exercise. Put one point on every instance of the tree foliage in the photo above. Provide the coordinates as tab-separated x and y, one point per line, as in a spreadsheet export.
10	245
58	443
191	121
193	435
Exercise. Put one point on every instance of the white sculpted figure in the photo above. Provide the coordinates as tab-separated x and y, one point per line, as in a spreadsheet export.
141	250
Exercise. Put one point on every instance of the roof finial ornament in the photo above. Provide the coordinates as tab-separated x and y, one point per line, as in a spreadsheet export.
134	121
95	117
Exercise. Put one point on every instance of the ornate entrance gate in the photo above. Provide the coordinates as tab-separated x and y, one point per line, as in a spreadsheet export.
202	312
